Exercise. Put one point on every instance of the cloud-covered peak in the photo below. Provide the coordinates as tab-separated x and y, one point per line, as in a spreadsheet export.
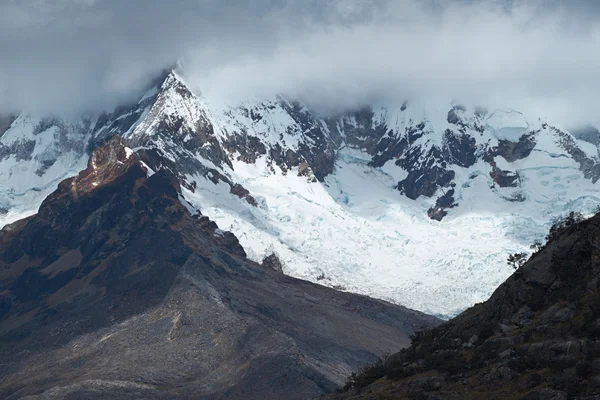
72	56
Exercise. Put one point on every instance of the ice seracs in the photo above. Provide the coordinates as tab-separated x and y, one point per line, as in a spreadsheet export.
418	204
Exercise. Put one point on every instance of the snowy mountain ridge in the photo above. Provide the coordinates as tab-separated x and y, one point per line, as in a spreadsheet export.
415	205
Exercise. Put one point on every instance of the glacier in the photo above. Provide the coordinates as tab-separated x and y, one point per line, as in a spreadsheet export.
337	200
354	232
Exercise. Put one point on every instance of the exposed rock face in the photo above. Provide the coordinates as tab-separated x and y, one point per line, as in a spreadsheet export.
504	178
537	337
113	290
513	151
457	164
273	262
195	139
438	212
589	165
21	150
285	131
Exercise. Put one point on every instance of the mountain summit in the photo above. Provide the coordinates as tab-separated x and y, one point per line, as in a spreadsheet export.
114	290
419	204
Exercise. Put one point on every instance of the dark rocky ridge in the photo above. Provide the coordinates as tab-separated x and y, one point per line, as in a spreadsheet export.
314	155
537	337
113	290
431	167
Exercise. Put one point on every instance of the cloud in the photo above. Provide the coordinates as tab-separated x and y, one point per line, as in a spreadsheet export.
537	56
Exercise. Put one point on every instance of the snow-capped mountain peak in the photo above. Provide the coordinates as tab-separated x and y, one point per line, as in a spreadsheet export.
418	204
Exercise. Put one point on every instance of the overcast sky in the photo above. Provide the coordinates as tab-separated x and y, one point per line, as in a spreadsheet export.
73	55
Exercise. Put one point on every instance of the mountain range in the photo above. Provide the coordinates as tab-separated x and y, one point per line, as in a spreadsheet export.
179	247
416	204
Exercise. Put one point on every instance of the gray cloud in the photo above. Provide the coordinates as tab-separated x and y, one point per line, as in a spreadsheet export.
538	56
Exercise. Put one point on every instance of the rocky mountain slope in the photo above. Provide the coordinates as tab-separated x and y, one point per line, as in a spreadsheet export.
115	290
536	338
414	203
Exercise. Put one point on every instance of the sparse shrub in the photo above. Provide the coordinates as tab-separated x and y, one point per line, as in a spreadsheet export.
451	362
395	372
564	224
416	336
536	246
516	260
366	376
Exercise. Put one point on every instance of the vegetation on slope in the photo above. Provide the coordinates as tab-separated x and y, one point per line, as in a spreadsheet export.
536	338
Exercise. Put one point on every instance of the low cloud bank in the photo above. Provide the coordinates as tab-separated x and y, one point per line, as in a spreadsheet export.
71	56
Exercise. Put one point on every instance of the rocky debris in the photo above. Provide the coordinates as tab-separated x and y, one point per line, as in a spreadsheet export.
358	129
273	262
302	143
317	149
513	151
113	290
425	181
438	211
537	337
247	147
505	178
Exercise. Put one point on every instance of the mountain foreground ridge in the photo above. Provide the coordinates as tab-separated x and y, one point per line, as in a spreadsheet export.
413	203
114	290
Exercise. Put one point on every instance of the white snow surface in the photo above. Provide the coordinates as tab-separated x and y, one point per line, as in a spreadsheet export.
22	186
507	124
354	231
357	233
